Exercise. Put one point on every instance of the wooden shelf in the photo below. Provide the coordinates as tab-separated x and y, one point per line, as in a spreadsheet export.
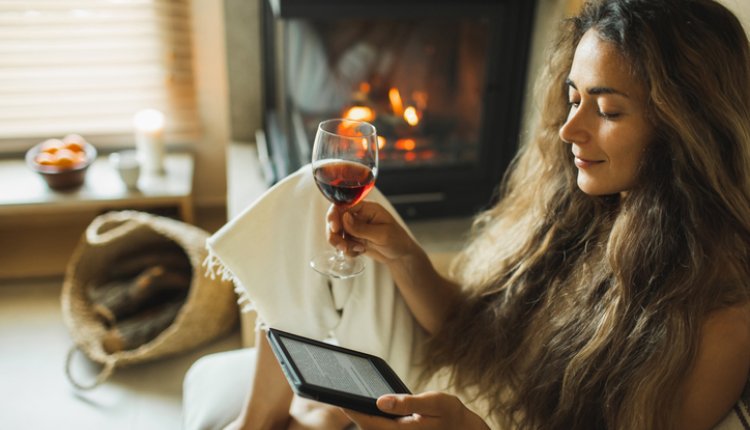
23	191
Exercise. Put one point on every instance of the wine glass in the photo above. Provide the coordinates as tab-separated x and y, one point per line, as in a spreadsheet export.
345	165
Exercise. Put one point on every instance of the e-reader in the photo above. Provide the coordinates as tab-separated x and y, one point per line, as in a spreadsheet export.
334	375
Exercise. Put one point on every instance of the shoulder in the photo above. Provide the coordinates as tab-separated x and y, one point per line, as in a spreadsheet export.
720	371
725	333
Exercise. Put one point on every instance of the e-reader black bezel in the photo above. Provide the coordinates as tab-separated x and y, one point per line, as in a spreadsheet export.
343	399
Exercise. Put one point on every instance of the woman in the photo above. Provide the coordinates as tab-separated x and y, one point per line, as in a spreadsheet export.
608	286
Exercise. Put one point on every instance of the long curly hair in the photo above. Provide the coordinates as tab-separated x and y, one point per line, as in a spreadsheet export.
583	311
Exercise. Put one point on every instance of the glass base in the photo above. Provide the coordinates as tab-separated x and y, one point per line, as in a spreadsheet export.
337	266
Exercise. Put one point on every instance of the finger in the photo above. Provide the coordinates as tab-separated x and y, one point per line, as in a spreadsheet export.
333	217
359	226
372	212
427	404
350	245
371	422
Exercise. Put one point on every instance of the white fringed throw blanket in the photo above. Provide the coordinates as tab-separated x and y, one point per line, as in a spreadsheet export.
266	251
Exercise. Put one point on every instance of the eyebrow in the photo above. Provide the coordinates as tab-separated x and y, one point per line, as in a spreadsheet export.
596	90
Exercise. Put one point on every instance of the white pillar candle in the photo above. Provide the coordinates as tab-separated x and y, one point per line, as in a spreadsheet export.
149	139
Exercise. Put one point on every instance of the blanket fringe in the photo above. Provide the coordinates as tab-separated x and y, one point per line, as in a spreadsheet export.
216	269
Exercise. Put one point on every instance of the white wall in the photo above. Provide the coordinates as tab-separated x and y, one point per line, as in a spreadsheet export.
741	8
209	61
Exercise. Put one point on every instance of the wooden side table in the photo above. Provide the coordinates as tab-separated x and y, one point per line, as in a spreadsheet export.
23	191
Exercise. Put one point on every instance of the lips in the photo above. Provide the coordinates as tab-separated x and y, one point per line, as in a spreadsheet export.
583	163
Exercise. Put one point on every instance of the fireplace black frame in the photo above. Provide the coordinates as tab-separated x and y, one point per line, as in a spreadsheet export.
420	192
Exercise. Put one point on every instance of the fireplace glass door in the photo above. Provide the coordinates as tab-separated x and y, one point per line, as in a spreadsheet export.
419	82
441	80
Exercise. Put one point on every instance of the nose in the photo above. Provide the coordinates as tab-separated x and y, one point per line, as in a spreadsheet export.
574	130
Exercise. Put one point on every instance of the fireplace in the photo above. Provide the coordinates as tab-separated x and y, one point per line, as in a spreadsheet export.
441	80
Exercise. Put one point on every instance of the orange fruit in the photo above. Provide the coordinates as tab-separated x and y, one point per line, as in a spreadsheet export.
45	159
74	142
79	158
65	158
75	146
51	146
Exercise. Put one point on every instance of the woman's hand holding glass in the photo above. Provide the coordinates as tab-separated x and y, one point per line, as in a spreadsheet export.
371	230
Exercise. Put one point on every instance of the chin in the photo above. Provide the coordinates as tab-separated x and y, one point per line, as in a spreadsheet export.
593	189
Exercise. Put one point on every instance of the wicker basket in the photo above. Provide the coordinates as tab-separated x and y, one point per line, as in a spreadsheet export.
210	309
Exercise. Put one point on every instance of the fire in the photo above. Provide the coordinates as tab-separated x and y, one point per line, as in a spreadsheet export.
396	104
366	143
411	116
349	129
360	113
406	144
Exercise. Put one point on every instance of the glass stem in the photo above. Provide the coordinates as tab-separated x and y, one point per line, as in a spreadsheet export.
340	253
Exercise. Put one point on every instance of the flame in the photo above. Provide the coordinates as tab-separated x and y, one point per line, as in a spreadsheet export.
360	113
406	144
366	143
348	129
411	116
396	104
148	120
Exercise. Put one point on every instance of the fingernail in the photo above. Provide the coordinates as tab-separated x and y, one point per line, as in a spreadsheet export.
358	248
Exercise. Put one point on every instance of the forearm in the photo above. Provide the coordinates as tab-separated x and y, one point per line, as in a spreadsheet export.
430	297
270	396
371	228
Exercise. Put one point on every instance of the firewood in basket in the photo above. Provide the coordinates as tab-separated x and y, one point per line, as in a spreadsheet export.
118	300
134	263
140	328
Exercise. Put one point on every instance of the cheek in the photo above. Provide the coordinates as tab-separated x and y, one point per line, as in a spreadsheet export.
631	155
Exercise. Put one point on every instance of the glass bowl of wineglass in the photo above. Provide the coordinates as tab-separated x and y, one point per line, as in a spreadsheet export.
345	165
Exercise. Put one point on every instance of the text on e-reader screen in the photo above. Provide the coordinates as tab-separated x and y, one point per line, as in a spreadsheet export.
337	370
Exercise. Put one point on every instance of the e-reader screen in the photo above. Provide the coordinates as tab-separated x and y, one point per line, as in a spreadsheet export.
335	375
337	370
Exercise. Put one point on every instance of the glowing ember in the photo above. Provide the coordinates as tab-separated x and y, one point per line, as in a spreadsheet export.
411	116
396	104
360	113
406	144
349	129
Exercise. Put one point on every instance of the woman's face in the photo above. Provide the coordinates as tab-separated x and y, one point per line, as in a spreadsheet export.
606	126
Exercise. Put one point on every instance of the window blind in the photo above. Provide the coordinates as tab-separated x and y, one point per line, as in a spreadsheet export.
87	66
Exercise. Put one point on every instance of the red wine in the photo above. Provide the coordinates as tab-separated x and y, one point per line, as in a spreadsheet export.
344	183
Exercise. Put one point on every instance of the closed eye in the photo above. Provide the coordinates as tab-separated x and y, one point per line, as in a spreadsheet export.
608	116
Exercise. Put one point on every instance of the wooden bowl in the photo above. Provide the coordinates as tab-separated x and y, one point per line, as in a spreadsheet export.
61	177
